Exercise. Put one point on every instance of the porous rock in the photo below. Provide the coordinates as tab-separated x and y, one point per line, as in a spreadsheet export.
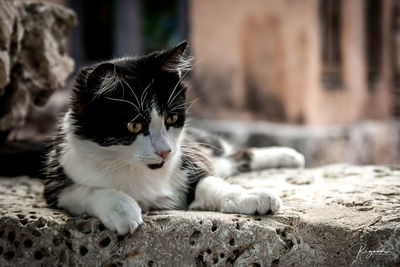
337	215
33	56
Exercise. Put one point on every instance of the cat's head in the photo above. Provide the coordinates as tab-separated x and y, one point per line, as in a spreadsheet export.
133	105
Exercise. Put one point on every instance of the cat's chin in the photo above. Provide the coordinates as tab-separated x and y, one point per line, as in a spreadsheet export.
156	166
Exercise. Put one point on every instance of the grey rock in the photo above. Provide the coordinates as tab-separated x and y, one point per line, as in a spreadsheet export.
33	56
337	215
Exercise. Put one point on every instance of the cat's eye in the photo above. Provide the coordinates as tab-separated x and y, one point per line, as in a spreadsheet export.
134	127
172	119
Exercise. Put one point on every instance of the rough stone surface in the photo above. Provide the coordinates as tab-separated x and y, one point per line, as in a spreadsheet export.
367	142
33	56
337	215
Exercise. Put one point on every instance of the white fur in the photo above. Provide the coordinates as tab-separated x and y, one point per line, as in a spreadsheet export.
214	193
224	167
123	171
276	157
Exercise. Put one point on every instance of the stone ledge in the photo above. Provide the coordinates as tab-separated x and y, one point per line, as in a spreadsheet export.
334	216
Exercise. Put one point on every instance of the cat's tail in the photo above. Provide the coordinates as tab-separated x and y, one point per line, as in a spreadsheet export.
253	159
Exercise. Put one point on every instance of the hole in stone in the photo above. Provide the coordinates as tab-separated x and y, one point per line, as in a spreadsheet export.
69	244
237	226
232	242
56	241
105	242
215	260
200	261
83	251
208	251
222	255
194	237
257	219
9	255
1	233
84	228
20	216
24	222
236	252
120	238
33	217
66	233
40	225
201	222
214	227
1	250
16	244
38	255
101	227
256	265
36	233
150	263
275	262
11	236
32	212
28	243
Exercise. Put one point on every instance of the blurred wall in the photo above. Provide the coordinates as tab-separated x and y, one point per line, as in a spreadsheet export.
297	61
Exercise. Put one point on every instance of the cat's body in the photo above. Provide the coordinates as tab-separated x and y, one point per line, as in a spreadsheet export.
123	148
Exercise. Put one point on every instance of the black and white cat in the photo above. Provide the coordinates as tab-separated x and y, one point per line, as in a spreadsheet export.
123	148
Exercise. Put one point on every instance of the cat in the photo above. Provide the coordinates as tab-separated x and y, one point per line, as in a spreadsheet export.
123	148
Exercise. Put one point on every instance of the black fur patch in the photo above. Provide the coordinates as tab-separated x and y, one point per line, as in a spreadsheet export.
135	85
56	179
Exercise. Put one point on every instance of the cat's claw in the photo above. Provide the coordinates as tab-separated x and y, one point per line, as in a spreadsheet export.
251	202
120	213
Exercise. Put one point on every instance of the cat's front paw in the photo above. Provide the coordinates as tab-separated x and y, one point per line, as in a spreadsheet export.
251	202
118	212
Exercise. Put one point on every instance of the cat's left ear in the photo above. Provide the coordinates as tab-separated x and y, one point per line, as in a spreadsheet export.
177	59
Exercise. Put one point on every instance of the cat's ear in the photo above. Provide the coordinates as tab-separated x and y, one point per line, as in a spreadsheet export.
103	79
177	59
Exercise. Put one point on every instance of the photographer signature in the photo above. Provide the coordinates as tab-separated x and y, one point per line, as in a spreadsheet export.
363	251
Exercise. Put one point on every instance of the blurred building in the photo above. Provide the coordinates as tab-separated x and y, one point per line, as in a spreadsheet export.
297	61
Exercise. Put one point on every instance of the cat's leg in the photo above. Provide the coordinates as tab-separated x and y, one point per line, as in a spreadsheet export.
257	159
213	193
275	157
115	209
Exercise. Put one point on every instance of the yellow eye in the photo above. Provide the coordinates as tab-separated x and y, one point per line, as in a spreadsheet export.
134	127
172	119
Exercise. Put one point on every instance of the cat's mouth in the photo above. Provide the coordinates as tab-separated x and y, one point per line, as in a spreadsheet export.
156	166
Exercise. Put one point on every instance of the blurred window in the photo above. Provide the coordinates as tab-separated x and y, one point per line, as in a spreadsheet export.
373	34
330	23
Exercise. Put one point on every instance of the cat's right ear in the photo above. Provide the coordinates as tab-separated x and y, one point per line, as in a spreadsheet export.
177	59
103	78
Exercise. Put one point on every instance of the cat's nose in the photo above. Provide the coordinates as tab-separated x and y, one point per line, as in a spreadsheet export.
163	153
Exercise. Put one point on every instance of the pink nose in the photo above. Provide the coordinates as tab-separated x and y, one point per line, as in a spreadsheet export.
163	154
